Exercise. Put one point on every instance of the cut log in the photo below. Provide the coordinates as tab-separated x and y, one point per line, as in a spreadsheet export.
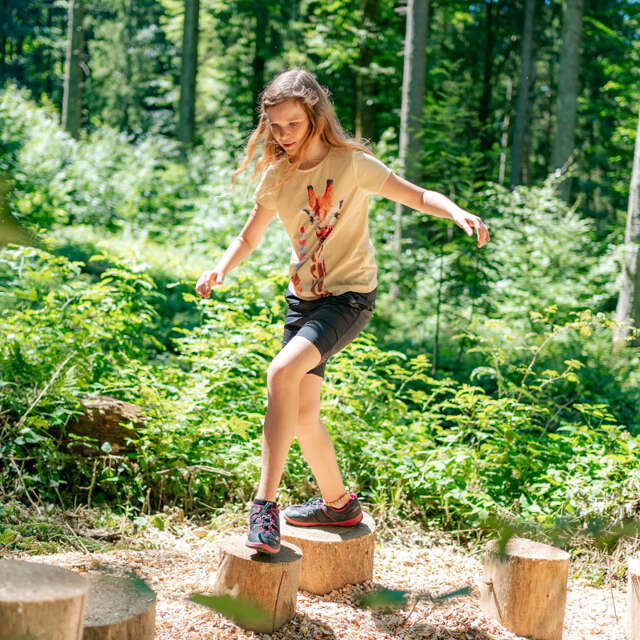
119	608
102	419
333	557
633	603
40	602
526	588
266	582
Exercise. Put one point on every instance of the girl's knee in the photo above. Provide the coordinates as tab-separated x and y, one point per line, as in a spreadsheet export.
282	376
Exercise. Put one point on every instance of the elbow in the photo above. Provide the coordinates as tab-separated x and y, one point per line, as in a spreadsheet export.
249	243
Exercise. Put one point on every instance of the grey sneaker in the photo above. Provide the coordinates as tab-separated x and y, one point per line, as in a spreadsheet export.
264	527
315	512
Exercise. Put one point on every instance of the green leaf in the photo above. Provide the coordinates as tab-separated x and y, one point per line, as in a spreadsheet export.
106	447
240	611
384	599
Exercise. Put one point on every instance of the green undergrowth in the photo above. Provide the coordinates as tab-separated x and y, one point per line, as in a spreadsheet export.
433	448
527	418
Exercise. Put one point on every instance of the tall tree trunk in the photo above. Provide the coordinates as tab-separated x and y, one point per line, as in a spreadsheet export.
413	81
485	100
72	98
365	86
628	310
566	109
187	109
505	135
523	95
126	94
260	55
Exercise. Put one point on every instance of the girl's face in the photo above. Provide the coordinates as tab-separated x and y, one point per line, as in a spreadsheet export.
289	125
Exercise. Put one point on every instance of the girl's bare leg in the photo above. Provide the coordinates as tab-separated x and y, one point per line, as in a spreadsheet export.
284	375
316	444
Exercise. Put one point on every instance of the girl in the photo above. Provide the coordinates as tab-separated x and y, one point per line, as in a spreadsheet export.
317	179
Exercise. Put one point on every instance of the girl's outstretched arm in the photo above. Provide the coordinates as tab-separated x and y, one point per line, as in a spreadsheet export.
435	204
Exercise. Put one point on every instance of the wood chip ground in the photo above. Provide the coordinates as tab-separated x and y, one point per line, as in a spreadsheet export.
182	560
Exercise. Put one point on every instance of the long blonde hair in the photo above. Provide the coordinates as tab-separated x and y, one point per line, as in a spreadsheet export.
302	86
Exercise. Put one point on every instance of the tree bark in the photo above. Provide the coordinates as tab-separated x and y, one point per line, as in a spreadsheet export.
40	602
505	135
187	109
266	583
566	108
628	309
485	100
119	607
523	95
260	55
72	99
413	85
365	86
526	588
333	557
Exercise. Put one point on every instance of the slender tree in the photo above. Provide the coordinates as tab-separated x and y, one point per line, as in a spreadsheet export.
484	111
413	85
72	98
523	95
628	310
566	108
187	110
505	135
261	53
365	114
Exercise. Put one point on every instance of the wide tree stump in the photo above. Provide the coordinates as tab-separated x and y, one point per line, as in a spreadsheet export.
267	582
526	589
633	602
40	602
333	556
119	608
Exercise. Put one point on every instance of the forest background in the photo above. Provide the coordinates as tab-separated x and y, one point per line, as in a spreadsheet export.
487	386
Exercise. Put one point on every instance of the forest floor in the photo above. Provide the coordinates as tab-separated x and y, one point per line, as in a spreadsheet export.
178	557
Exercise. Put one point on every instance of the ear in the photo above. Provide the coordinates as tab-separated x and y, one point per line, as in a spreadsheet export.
312	197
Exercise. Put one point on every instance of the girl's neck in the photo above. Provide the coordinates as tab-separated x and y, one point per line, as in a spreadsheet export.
315	154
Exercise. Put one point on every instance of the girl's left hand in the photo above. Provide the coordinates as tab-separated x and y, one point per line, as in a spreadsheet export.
466	221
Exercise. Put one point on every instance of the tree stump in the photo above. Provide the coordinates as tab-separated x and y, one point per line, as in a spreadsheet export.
526	589
40	602
119	608
102	419
267	582
333	556
633	602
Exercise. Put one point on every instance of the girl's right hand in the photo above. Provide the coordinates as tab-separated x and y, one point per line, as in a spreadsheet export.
207	280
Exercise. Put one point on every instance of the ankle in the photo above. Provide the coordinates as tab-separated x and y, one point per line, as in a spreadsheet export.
340	502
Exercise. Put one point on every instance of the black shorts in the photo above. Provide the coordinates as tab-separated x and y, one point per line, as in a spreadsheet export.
331	323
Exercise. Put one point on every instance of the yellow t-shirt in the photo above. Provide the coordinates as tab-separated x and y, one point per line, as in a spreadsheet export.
325	213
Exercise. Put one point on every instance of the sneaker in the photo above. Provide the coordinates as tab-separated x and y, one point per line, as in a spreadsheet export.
315	512
264	527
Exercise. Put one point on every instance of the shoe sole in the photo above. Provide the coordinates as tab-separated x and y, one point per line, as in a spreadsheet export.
344	523
262	547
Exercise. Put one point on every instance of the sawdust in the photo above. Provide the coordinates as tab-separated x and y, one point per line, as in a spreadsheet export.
183	558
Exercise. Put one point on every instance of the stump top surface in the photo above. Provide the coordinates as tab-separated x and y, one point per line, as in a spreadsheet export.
524	548
329	534
22	581
114	599
235	546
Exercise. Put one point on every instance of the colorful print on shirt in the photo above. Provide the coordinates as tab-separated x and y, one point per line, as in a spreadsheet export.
322	215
